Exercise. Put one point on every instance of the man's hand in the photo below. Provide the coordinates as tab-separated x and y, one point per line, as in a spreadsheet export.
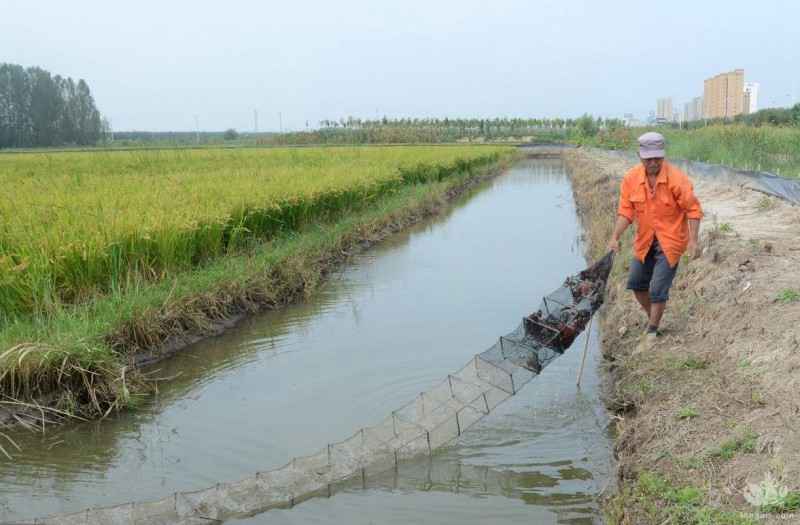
619	228
691	250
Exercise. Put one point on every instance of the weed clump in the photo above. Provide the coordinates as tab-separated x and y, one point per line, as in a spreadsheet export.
765	203
742	444
788	295
656	500
687	413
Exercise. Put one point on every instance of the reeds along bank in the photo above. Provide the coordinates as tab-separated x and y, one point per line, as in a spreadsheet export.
774	149
766	148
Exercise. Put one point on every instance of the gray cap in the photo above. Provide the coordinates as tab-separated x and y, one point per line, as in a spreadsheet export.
651	145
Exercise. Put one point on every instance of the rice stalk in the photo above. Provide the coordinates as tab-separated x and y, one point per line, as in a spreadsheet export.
67	239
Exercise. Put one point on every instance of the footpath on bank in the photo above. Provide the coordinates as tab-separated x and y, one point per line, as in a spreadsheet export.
707	421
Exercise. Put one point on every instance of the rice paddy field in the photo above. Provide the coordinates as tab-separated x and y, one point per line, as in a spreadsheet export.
80	224
110	257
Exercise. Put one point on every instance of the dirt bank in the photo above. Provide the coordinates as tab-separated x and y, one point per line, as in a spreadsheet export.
713	407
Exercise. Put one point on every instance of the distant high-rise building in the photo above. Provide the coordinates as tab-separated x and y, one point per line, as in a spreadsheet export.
723	95
697	109
693	110
627	118
664	109
750	97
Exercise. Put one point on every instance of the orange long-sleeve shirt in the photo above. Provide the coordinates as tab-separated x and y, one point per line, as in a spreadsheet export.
663	215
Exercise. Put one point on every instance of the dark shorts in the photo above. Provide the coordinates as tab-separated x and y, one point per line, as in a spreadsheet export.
654	275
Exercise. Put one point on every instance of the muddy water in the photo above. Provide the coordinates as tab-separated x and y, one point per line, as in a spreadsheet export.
390	325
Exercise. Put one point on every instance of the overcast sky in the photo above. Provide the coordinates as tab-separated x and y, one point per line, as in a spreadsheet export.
154	65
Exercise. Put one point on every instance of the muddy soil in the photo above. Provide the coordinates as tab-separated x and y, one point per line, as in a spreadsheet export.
715	404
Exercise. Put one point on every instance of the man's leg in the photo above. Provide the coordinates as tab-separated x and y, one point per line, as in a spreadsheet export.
656	311
660	284
639	281
643	297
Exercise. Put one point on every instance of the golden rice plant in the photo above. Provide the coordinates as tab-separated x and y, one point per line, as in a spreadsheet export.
78	224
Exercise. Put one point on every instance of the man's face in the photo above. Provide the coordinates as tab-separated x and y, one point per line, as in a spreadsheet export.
652	166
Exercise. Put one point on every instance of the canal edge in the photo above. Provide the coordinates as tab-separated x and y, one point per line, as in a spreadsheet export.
697	427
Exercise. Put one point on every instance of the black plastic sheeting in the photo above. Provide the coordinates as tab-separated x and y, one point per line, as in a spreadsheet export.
765	182
762	181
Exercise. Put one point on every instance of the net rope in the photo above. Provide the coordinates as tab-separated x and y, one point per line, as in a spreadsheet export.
430	421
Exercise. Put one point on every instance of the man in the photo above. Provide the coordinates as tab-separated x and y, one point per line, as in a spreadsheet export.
660	199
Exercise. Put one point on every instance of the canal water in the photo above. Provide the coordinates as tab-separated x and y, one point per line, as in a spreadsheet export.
391	324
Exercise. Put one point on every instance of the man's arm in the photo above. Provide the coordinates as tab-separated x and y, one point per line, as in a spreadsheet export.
619	228
688	201
625	214
694	231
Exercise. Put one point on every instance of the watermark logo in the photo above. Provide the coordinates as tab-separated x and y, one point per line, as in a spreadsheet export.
768	493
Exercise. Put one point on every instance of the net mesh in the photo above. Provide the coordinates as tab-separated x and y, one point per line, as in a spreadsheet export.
430	421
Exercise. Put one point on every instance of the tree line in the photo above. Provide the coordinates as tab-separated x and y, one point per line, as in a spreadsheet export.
40	109
764	117
440	130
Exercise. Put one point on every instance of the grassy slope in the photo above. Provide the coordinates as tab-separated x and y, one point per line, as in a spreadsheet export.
754	148
78	359
766	148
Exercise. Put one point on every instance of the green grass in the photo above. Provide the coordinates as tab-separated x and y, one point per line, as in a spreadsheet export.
687	413
745	443
790	503
653	499
693	363
770	495
765	148
788	295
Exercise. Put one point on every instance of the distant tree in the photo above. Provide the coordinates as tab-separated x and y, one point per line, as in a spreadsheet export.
586	126
230	134
68	122
46	107
15	102
107	132
39	109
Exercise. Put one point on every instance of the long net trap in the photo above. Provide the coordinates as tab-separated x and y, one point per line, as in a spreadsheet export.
430	421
